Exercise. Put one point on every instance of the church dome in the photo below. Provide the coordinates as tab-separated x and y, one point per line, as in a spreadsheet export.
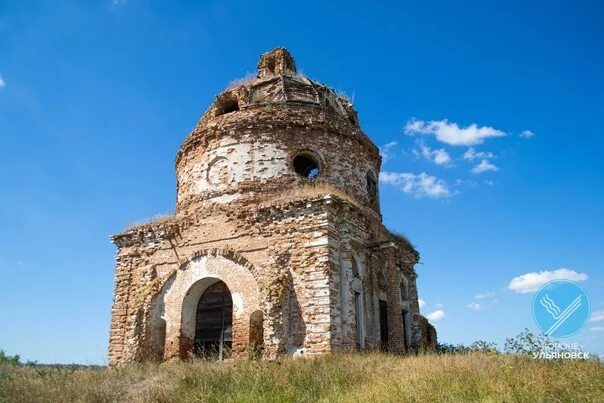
270	133
278	82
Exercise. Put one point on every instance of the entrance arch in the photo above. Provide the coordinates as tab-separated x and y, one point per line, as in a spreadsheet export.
214	323
185	291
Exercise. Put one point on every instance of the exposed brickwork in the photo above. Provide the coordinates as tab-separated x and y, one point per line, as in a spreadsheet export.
284	245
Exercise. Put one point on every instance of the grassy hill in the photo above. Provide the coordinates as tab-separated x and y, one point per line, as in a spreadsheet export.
370	377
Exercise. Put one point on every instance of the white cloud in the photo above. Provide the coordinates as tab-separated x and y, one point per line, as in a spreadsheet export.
486	300
531	282
451	133
419	185
597	328
597	316
489	183
471	154
421	302
439	305
2	83
527	134
386	151
436	315
439	156
484	166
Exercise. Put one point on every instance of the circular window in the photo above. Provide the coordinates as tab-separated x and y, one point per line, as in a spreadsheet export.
306	166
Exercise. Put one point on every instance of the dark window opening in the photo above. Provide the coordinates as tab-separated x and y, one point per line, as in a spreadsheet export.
355	268
405	339
227	106
306	166
383	325
371	185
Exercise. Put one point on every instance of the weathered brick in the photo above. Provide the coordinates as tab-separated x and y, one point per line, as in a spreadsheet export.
282	242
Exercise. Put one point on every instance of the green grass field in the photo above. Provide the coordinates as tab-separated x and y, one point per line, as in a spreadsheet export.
337	378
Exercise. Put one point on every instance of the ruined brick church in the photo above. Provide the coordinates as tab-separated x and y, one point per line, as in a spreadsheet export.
276	246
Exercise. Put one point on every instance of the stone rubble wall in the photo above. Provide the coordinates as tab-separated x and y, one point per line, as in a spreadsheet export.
282	246
284	260
377	252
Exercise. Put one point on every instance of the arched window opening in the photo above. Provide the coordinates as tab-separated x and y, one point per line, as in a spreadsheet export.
371	185
214	323
306	166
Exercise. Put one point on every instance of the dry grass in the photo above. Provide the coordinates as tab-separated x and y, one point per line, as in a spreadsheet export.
338	378
343	95
157	219
248	78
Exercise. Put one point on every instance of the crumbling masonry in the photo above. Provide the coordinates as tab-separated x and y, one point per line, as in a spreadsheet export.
277	245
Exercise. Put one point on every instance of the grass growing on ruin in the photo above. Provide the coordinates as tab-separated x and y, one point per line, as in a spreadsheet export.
156	219
371	377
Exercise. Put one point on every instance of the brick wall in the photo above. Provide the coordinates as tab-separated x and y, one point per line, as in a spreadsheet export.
283	244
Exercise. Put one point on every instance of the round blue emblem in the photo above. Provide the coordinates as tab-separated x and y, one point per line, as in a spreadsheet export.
561	308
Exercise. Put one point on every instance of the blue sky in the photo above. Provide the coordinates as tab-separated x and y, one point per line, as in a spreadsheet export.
96	97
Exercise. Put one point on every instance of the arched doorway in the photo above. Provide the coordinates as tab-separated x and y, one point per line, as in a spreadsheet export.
182	303
214	323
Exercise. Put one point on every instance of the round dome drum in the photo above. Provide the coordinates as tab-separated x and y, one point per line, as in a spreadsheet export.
275	134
